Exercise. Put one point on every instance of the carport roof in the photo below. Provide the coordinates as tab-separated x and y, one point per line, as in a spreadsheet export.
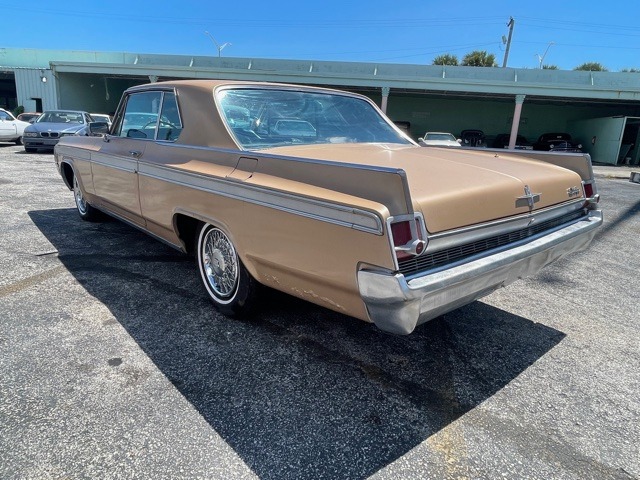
478	81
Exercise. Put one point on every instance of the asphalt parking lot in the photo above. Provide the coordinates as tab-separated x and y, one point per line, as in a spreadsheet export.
113	364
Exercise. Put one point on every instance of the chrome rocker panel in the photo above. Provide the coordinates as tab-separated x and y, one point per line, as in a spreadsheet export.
398	306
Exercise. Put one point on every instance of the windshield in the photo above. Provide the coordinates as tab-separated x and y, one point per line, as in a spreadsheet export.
263	118
61	117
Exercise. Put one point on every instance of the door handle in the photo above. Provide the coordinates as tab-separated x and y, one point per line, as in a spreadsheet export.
135	153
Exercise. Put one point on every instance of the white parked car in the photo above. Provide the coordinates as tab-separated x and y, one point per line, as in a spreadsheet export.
101	117
11	129
439	139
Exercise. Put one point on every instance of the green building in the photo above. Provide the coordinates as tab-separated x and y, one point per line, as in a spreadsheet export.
601	110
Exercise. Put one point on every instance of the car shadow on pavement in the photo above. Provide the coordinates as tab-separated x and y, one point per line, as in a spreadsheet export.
299	391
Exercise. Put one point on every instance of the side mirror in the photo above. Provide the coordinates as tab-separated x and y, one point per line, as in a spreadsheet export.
420	139
98	129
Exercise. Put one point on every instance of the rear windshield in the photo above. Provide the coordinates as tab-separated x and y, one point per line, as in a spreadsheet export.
264	118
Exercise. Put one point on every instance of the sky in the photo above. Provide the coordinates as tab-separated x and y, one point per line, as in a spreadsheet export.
565	33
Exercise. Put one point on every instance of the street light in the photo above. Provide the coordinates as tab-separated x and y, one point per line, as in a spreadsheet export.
218	46
541	58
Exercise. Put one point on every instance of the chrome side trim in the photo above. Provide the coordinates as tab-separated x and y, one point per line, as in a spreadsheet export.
332	213
118	162
288	158
398	305
342	215
72	152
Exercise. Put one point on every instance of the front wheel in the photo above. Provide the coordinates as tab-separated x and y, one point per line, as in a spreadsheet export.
85	210
228	283
18	141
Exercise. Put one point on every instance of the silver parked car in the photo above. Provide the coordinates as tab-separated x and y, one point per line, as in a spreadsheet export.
53	125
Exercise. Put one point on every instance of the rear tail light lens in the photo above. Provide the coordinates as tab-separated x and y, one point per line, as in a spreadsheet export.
401	232
588	190
407	238
592	198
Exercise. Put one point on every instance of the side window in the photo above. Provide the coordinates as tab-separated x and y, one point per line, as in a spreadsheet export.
4	116
170	123
140	116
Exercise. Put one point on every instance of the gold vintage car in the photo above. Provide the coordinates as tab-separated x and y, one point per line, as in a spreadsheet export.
316	193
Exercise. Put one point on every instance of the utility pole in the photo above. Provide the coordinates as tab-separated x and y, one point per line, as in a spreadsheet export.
511	24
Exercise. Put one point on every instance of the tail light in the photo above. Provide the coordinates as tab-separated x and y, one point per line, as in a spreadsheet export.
408	237
590	193
588	189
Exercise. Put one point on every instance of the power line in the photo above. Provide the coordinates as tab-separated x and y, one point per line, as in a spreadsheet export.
248	22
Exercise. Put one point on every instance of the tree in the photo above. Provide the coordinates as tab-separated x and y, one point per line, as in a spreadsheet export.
631	70
592	67
479	58
549	67
446	59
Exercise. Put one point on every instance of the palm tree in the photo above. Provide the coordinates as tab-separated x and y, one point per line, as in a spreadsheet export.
479	58
446	59
592	67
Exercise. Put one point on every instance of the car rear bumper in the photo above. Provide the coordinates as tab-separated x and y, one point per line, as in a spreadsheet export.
398	305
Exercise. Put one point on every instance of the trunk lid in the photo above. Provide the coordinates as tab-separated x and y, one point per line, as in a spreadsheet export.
455	188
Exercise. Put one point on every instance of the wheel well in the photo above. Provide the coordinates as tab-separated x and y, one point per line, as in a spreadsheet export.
67	175
186	228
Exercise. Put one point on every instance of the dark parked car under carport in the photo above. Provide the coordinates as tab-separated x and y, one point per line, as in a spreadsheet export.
556	142
502	141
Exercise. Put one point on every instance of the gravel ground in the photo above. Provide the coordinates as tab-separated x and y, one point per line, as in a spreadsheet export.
113	364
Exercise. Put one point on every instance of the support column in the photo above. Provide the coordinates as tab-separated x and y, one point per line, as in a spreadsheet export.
516	121
385	98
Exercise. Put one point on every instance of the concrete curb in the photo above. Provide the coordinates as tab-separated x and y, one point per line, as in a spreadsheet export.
622	172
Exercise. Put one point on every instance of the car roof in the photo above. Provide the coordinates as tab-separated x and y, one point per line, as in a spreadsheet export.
65	111
198	107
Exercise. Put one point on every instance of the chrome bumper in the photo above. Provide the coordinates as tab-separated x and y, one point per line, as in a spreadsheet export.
398	305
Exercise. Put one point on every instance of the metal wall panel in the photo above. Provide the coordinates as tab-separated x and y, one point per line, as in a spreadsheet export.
29	85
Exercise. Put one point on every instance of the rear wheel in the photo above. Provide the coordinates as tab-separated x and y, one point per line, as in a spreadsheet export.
228	283
18	141
85	210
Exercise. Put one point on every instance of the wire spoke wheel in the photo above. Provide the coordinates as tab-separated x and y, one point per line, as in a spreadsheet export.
220	263
228	283
81	203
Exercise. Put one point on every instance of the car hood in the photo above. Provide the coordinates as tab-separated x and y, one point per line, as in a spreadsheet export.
454	188
55	127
